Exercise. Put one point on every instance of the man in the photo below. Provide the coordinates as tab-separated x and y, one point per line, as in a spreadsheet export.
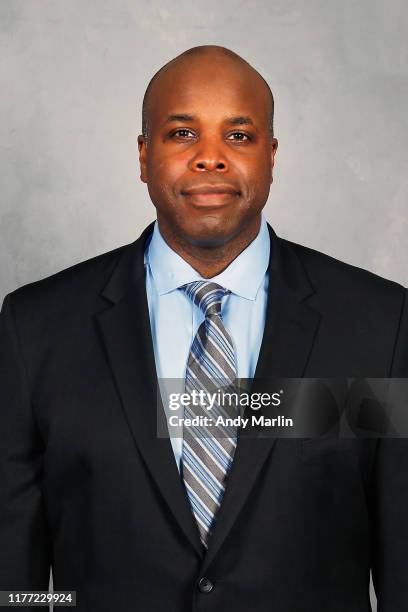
134	521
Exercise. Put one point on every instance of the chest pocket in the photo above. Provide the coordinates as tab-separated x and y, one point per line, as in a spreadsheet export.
322	450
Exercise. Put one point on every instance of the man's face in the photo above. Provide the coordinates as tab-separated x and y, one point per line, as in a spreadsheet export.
209	156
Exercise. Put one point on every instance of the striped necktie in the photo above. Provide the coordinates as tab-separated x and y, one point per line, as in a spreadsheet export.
207	457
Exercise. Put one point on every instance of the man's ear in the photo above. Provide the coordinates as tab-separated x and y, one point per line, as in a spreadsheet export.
142	145
274	148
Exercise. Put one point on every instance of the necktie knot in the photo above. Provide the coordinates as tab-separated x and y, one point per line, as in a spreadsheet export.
206	295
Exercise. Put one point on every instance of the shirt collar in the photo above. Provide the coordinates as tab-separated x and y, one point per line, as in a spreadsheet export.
243	276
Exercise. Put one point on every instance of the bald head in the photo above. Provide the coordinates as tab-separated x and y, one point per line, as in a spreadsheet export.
190	60
209	155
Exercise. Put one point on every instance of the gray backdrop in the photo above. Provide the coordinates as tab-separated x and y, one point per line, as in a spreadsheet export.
73	73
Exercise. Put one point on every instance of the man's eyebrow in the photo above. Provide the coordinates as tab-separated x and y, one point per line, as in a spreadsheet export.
239	120
180	117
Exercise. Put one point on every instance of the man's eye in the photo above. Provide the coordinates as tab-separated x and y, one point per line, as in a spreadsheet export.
183	133
240	136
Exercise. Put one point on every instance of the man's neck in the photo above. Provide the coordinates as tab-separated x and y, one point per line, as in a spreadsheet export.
210	262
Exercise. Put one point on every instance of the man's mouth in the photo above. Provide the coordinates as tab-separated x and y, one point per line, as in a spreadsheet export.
210	195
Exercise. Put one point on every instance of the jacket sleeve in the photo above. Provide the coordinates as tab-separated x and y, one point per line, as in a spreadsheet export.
24	541
390	517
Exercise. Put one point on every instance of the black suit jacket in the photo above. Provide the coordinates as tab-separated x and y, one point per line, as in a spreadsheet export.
87	487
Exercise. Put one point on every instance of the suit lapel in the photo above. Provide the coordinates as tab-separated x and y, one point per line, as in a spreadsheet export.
125	330
290	328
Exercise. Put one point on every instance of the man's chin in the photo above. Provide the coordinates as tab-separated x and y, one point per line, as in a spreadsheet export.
210	234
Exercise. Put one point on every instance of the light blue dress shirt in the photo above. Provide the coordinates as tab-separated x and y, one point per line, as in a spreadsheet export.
174	319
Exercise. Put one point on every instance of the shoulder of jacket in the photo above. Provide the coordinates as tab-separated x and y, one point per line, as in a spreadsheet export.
75	282
325	271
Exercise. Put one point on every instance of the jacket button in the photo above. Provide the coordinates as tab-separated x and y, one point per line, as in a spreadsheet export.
205	585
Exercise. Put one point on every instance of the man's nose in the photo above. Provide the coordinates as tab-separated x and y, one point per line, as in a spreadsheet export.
209	157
